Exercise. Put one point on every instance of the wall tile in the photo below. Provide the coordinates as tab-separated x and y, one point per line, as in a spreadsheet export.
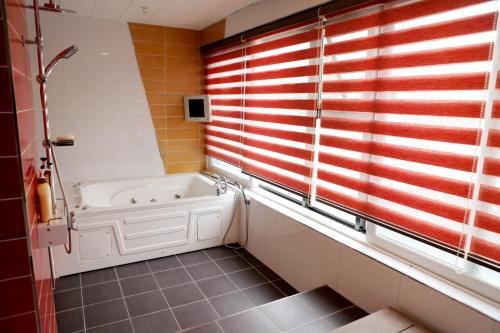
437	311
365	282
9	179
6	102
17	296
22	323
317	260
7	128
14	258
12	222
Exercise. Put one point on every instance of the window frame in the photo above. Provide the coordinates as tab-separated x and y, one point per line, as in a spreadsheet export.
432	264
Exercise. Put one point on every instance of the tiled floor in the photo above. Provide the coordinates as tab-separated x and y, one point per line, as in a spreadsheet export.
213	290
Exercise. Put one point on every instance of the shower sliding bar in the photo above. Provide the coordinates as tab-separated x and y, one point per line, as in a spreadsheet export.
43	73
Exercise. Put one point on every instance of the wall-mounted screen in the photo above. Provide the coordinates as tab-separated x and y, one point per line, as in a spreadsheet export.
197	108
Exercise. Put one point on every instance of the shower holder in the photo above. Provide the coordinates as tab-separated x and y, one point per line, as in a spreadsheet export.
53	233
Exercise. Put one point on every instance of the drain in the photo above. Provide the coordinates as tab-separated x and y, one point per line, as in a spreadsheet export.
133	200
177	196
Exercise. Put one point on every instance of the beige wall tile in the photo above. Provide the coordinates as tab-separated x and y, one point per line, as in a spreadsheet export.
184	167
171	67
179	134
149	48
147	35
178	145
183	51
146	60
178	36
183	156
179	122
153	73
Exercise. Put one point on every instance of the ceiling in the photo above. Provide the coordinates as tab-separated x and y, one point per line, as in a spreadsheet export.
188	14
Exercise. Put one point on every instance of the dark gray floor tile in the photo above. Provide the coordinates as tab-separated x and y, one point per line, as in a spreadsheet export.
204	270
229	304
216	286
101	292
262	294
247	278
194	314
134	269
172	277
248	322
220	252
288	313
157	322
182	294
346	316
192	258
98	276
323	300
145	303
209	328
105	313
70	321
69	299
124	326
252	260
268	273
162	264
67	282
241	251
232	264
317	326
138	284
285	287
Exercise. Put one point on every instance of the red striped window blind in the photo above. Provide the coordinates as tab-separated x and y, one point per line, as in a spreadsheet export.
385	111
224	72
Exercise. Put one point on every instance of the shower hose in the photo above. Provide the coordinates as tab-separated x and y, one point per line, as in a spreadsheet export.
236	212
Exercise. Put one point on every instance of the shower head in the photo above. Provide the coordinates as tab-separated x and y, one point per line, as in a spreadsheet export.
64	54
53	7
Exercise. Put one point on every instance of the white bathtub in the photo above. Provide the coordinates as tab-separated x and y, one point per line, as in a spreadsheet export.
123	221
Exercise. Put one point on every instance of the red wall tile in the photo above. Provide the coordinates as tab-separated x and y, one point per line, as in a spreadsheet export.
19	272
10	178
22	323
17	296
7	128
5	93
12	221
13	254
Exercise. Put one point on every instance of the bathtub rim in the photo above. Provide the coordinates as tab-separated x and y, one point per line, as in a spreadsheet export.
80	212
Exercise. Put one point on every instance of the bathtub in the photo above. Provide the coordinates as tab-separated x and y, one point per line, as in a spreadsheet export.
123	221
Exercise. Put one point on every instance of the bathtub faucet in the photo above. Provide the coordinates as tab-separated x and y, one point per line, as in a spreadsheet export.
221	184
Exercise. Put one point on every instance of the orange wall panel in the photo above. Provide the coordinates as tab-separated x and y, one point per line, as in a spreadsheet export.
171	67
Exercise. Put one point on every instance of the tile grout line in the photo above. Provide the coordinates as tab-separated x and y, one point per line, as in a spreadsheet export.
123	298
320	318
238	289
201	291
163	295
133	276
177	285
244	294
229	278
83	309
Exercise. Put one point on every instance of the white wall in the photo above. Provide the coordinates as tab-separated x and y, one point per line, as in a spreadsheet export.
265	11
307	259
98	96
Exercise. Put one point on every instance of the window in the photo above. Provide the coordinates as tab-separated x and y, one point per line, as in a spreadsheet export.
386	113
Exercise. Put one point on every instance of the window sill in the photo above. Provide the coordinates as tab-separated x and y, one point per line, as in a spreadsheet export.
357	242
